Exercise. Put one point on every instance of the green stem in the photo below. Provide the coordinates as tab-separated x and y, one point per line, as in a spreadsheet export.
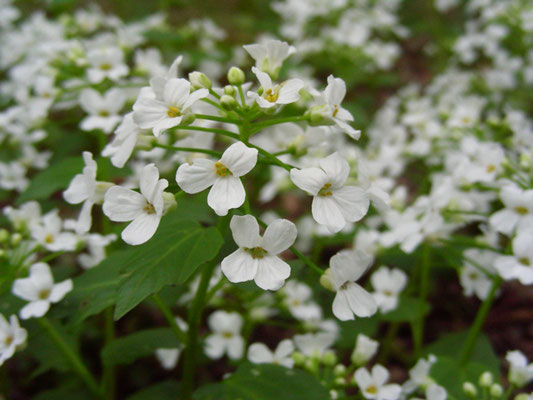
182	336
388	341
108	376
241	95
481	315
306	260
222	132
218	119
418	331
189	149
219	285
272	158
72	357
509	391
214	94
214	104
51	256
263	124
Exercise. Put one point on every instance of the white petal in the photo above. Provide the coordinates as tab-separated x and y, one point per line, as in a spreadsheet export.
263	78
258	353
176	91
85	218
194	97
34	309
90	100
60	290
227	192
245	230
239	266
80	189
196	177
141	229
166	123
235	347
239	159
363	378
215	345
380	374
279	236
361	302
309	179
349	266
335	91
271	273
290	91
148	112
341	308
336	168
504	221
352	201
285	349
122	204
326	212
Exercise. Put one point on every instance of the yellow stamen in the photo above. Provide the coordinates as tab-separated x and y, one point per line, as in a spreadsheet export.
221	169
521	210
43	294
371	389
271	95
325	192
105	67
335	110
173	112
49	238
149	208
256	252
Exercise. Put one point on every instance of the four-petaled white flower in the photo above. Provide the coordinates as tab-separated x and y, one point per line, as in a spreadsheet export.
168	357
165	108
334	203
520	372
12	336
518	210
227	191
334	94
119	150
103	110
346	267
39	289
373	385
258	353
388	284
520	264
144	209
106	62
365	349
284	93
256	258
226	337
269	56
49	233
85	188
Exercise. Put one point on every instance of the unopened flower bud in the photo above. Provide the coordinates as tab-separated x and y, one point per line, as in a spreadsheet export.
199	80
169	202
320	115
236	76
228	102
16	238
2	253
522	396
145	142
339	370
486	379
329	358
188	119
365	349
340	381
470	390
230	90
299	358
4	235
525	161
496	390
326	280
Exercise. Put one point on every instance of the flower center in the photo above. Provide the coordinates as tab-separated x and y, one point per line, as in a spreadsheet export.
221	169
521	210
335	110
227	335
325	192
387	293
43	294
49	238
8	340
491	168
105	67
173	112
344	286
524	261
271	95
371	389
149	208
256	252
104	113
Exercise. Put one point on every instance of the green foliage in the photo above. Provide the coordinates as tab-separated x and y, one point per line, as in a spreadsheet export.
408	310
168	390
129	348
265	382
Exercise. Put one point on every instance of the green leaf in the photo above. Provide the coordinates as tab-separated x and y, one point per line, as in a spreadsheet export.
350	330
63	393
407	310
56	177
129	348
170	257
272	382
168	390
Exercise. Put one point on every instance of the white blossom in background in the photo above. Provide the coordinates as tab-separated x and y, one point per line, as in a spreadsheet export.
168	358
284	93
119	150
473	279
388	284
374	385
226	337
518	209
163	108
48	232
419	375
520	372
256	258
144	209
314	344
40	290
365	349
12	336
103	110
270	55
520	264
25	216
106	62
224	175
96	253
334	203
346	267
298	299
258	353
85	188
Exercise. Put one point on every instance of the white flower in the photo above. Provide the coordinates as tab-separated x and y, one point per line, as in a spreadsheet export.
103	110
12	336
163	110
334	94
85	188
419	374
388	284
39	289
107	62
520	372
168	358
48	233
258	353
520	264
96	245
472	278
145	209
373	386
314	344
226	337
334	203
285	93
224	175
256	258
347	267
121	147
365	349
518	209
269	57
298	301
24	217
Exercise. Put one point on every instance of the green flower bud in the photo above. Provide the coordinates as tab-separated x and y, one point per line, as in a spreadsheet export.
470	390
326	280
230	90
16	238
188	119
236	76
496	390
199	80
169	202
228	102
329	358
4	235
339	381
339	370
320	115
299	358
486	379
